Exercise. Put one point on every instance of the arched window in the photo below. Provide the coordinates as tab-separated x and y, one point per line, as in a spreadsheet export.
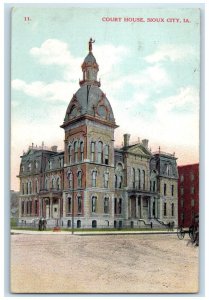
94	175
53	183
172	209
81	150
106	154
94	224
29	167
106	180
79	179
75	151
143	179
27	188
58	183
79	224
46	184
92	151
134	177
100	153
106	205
69	223
70	178
94	200
69	154
139	179
79	204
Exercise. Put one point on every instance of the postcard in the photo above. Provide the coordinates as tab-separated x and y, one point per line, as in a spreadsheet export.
105	150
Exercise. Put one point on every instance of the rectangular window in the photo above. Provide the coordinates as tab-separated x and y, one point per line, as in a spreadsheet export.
79	179
165	209
106	155
192	190
69	204
192	203
115	205
36	207
94	175
134	178
172	209
182	202
106	205
143	173
81	149
79	204
106	180
172	190
154	186
100	153
92	151
165	189
69	154
182	191
120	206
94	204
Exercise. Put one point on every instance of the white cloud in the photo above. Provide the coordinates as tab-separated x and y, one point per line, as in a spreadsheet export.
55	91
170	52
187	97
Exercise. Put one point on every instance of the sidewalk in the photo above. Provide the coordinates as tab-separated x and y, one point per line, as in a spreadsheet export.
85	233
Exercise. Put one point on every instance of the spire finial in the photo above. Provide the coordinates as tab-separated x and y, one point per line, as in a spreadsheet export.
91	41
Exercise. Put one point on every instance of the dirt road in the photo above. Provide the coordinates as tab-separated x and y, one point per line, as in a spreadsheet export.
103	264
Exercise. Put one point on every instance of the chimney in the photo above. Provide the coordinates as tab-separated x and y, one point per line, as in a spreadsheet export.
54	148
145	143
126	138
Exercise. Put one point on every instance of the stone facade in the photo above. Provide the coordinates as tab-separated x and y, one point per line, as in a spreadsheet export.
92	184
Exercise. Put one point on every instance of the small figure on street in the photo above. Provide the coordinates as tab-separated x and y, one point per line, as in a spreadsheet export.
151	225
44	224
40	225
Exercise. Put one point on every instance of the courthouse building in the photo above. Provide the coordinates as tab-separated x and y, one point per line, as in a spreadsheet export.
91	182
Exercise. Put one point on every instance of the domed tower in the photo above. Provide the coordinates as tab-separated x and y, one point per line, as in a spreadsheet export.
89	152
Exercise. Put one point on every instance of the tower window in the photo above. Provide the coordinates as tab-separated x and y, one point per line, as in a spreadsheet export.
70	154
92	151
94	175
75	151
81	150
106	155
100	153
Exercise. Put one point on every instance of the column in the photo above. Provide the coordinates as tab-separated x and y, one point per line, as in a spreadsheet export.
126	206
51	208
151	207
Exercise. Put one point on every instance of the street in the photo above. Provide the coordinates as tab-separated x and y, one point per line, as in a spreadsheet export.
103	264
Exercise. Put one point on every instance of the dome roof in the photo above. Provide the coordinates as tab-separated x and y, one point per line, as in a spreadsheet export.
89	99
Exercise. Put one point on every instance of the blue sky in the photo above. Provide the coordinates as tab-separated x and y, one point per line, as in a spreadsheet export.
149	72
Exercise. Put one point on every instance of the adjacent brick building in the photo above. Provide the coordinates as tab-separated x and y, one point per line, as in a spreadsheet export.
91	183
188	190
